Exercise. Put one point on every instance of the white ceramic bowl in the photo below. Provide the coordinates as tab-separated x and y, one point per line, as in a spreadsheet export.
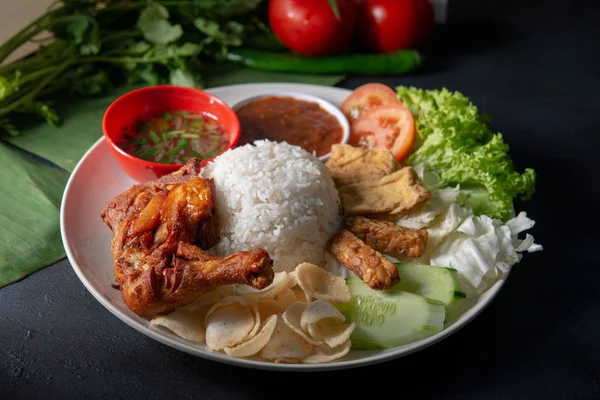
325	105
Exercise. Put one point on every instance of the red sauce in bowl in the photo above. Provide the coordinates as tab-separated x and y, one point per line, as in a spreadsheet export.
286	119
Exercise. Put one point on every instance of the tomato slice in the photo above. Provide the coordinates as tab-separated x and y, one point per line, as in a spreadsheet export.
389	126
366	97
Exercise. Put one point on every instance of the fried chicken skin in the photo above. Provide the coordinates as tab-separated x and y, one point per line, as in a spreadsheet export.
387	237
160	231
367	263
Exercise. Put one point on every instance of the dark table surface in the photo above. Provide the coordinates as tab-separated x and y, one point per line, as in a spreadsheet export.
535	67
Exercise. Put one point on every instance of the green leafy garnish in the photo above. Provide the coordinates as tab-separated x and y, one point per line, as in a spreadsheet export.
454	140
147	154
154	137
154	24
99	45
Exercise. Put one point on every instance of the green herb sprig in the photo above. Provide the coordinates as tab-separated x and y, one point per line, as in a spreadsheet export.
95	45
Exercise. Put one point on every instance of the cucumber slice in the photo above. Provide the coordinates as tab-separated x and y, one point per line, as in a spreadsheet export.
437	283
389	318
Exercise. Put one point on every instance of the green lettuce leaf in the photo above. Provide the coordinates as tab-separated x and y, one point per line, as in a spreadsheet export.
454	140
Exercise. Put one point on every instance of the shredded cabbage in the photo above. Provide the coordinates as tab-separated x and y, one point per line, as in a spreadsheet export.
481	248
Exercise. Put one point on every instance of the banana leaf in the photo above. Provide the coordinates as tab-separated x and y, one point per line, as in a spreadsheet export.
30	195
82	117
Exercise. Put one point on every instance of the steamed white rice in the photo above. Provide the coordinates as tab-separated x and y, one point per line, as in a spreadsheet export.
277	197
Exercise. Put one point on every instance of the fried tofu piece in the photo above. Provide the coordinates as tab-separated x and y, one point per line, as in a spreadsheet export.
350	164
387	237
367	263
390	197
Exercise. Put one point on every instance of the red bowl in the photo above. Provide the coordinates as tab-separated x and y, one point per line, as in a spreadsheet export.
128	109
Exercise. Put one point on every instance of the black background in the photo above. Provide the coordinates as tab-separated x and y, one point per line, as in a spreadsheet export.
535	67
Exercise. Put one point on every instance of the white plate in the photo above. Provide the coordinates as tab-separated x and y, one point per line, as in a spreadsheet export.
97	178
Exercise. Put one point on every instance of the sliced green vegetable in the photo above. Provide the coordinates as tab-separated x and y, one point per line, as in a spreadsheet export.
147	154
154	137
390	318
437	283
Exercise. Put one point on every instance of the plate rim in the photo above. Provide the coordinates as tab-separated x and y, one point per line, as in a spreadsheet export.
371	359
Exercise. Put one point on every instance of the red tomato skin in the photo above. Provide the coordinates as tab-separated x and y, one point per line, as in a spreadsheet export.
385	26
366	97
374	127
309	27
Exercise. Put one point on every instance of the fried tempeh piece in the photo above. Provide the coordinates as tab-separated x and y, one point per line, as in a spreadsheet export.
350	164
388	237
392	196
367	263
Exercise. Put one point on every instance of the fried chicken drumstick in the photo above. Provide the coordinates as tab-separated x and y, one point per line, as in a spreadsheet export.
161	229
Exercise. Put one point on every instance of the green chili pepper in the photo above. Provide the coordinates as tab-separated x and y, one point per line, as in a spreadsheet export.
399	62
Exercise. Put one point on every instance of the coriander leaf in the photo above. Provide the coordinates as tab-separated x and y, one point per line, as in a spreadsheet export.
221	8
180	77
83	31
206	26
144	73
186	50
224	36
94	83
139	47
92	43
167	52
77	27
154	24
235	28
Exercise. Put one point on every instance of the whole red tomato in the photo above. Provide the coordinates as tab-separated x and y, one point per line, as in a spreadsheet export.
309	27
385	26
